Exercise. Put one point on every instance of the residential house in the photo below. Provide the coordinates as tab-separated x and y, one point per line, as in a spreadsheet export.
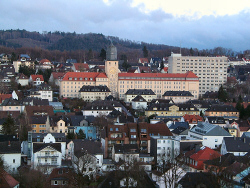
40	124
11	104
36	80
24	60
101	107
80	67
132	133
10	153
139	103
217	120
61	177
192	119
195	159
198	179
128	153
164	148
92	93
147	94
143	61
212	135
45	64
222	110
23	80
87	156
178	96
236	145
43	91
59	124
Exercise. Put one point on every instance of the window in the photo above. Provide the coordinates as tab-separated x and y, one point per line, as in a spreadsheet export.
132	130
116	129
14	160
55	182
111	129
133	136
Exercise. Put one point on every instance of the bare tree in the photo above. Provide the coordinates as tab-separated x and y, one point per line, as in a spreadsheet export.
100	122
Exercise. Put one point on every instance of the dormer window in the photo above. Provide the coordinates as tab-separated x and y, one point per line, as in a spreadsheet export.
86	78
80	78
70	78
91	78
75	78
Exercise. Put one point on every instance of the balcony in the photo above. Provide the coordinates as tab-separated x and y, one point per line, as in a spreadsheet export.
48	164
47	156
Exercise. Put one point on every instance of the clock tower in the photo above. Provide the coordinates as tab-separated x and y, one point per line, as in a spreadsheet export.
111	69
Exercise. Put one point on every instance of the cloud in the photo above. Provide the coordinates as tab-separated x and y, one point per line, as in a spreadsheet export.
201	24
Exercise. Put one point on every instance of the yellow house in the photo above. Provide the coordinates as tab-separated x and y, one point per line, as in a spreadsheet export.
40	124
222	110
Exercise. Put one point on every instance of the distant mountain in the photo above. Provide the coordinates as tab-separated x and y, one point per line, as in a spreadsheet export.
69	41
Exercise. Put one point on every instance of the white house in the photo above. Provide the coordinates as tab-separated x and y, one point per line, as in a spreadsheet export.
139	103
36	80
23	80
212	135
42	91
10	152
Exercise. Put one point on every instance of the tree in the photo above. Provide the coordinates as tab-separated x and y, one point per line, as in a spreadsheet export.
9	127
81	135
103	54
162	65
100	122
145	51
222	94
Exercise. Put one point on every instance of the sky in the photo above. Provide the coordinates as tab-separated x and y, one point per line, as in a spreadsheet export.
202	24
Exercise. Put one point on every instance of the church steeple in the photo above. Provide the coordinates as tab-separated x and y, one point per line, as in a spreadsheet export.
111	54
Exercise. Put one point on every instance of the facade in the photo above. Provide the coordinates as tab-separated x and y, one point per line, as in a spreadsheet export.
92	93
139	103
147	94
212	71
222	110
36	80
23	80
164	148
120	83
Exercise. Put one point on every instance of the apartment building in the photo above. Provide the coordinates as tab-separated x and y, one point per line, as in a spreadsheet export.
212	71
120	83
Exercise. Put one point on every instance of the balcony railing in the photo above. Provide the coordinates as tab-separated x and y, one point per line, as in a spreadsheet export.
47	156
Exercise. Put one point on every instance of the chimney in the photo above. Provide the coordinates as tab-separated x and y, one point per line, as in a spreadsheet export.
9	144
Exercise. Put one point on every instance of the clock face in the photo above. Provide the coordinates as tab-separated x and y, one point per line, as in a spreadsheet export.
112	70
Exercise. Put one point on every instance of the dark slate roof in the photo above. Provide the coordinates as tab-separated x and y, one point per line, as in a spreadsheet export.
95	62
4	138
174	125
216	120
178	130
162	101
38	119
10	147
222	108
35	101
195	179
126	148
139	98
226	160
186	106
57	136
140	92
94	89
44	87
237	144
75	120
10	102
91	146
39	146
102	105
177	93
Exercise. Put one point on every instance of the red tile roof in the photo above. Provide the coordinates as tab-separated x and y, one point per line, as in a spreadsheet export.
79	66
58	75
85	76
4	96
202	155
192	118
102	75
44	60
143	60
189	74
34	77
7	180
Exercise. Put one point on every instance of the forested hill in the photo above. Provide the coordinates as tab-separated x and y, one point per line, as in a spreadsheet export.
69	41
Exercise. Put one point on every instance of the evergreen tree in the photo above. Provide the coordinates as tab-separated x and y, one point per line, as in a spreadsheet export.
81	135
103	54
222	94
145	51
9	127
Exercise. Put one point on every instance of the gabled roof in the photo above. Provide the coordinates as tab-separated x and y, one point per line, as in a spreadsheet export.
34	77
192	118
91	146
222	108
44	60
140	92
22	77
81	76
143	60
10	147
208	129
38	119
235	168
7	181
139	98
81	66
58	75
40	146
237	144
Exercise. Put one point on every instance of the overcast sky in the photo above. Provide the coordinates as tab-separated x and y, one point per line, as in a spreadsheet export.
202	24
